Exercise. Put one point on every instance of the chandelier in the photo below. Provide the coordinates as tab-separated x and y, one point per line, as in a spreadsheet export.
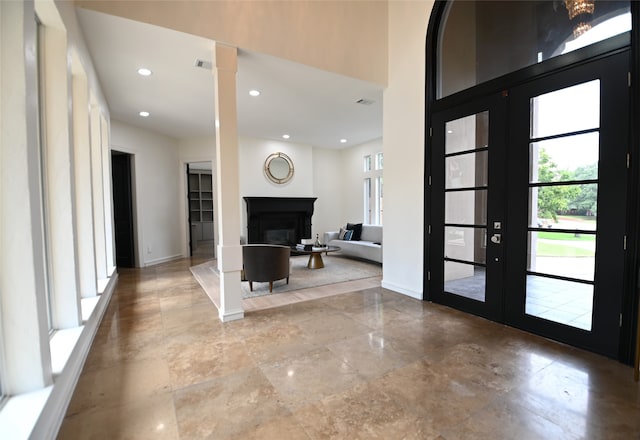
580	11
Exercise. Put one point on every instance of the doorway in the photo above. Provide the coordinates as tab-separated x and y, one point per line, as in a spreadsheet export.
123	208
200	211
528	204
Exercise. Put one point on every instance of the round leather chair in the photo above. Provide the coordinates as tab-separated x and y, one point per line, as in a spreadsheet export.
265	263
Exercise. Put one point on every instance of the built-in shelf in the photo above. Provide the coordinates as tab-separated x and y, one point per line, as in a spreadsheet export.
201	205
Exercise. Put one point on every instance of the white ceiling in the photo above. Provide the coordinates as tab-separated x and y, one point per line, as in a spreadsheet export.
314	107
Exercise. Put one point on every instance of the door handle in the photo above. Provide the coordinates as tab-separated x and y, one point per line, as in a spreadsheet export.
496	238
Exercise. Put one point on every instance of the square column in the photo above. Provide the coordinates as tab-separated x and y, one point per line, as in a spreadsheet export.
225	66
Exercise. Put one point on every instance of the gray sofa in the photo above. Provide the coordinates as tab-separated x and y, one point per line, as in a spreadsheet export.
366	248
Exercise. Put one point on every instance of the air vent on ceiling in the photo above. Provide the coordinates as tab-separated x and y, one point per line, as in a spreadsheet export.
365	101
203	64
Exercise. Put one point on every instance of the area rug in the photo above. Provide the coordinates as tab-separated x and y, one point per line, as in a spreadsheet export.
336	269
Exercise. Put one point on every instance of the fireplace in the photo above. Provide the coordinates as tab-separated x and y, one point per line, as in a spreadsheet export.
279	220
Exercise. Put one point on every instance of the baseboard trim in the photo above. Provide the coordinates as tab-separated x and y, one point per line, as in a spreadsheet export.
401	289
55	409
163	260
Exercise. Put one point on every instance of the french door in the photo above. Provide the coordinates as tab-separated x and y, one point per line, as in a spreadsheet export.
528	204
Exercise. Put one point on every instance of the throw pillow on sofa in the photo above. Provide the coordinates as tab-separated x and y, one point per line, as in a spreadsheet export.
348	235
357	230
341	234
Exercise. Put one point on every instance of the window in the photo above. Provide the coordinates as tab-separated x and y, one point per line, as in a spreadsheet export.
367	163
367	200
379	161
379	205
372	197
477	44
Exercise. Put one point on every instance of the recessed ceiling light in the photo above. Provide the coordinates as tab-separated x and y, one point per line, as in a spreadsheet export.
343	141
144	71
449	131
254	92
285	136
144	114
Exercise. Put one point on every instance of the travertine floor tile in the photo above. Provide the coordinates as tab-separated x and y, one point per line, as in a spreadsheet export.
432	395
195	362
369	354
147	418
363	413
224	407
508	420
280	428
120	384
363	363
307	378
332	327
278	343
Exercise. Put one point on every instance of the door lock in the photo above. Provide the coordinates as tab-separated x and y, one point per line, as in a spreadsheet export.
496	238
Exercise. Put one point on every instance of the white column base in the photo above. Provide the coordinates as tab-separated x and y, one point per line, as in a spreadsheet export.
230	267
230	315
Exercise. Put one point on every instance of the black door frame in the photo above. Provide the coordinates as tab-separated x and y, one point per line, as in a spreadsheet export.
619	43
190	228
492	306
608	283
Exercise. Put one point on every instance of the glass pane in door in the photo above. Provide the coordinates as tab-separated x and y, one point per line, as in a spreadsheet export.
563	254
465	218
563	193
566	110
465	244
466	207
566	302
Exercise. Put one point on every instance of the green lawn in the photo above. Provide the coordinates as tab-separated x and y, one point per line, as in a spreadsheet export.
558	250
565	236
584	218
546	247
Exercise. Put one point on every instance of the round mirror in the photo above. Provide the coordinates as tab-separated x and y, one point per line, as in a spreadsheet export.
279	168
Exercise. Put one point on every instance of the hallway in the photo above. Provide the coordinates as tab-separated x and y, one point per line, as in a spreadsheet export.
366	364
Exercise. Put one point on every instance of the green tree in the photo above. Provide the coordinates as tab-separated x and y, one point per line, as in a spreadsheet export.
555	198
587	198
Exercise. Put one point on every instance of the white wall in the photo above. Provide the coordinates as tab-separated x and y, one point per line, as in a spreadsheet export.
329	188
403	134
157	180
202	149
253	182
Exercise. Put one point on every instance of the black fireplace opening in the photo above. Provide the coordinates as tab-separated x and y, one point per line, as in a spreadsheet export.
280	236
279	220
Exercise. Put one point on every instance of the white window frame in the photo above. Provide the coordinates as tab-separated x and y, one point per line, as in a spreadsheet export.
378	200
373	188
368	201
